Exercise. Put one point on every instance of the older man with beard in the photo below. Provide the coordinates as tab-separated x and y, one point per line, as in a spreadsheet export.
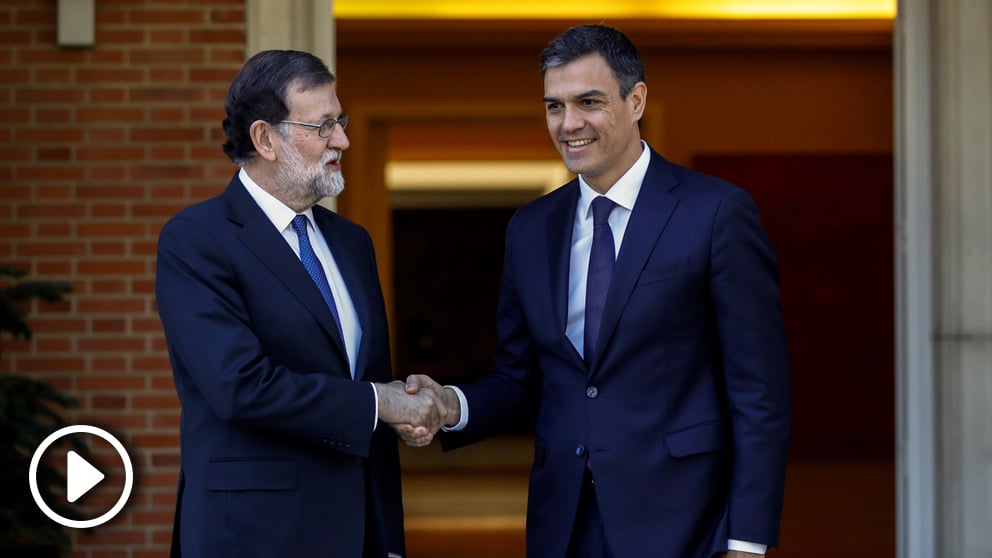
277	334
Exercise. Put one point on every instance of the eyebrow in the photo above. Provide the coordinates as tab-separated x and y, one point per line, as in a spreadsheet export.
580	96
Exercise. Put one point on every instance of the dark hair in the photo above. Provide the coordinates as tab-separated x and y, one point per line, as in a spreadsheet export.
614	46
259	92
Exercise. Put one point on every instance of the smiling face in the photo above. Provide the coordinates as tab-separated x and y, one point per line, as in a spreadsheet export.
593	128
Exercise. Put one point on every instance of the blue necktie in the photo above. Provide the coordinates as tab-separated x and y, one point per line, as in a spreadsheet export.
315	269
602	258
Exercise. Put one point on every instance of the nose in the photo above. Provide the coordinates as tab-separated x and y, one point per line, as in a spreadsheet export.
338	139
572	120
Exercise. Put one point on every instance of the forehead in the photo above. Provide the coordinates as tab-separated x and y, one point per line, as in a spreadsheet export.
582	74
320	101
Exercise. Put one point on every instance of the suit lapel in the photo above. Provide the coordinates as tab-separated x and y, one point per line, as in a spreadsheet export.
652	210
268	245
357	285
560	227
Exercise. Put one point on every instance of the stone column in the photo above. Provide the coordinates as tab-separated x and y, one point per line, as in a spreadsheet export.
963	273
944	66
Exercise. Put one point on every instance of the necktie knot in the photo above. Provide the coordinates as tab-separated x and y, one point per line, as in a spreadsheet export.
602	206
300	226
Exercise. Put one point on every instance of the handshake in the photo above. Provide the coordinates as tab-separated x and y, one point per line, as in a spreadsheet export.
417	408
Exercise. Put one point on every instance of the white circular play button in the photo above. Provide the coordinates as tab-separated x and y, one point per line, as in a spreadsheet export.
81	476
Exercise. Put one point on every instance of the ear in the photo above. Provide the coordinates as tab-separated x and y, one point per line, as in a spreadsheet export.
638	98
264	137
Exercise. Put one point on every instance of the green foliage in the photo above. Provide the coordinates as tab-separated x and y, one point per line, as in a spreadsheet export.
28	414
13	317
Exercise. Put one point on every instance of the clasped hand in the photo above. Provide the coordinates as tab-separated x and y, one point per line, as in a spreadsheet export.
417	408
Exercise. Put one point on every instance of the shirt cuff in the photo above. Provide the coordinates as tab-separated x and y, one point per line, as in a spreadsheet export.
463	402
743	546
375	397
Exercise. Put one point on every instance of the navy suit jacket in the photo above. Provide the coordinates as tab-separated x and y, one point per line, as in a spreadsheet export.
279	457
683	419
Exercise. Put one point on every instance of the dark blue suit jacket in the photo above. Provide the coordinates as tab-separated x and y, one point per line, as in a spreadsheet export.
687	427
279	457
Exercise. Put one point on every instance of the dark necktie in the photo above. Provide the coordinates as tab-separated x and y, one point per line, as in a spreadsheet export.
602	258
315	269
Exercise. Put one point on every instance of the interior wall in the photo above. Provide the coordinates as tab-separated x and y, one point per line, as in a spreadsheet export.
720	99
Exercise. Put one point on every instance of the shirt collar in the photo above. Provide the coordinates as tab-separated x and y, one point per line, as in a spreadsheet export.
279	213
624	191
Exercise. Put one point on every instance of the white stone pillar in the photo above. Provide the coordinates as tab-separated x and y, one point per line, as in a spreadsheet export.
963	317
944	161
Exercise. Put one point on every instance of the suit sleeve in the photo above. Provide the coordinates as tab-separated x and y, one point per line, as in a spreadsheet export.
219	359
745	289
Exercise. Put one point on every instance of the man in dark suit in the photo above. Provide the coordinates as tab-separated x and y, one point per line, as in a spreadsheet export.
278	339
640	329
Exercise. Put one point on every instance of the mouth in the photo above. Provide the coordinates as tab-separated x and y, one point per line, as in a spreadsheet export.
333	159
575	144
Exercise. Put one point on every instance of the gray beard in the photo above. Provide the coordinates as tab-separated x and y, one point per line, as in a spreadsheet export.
306	184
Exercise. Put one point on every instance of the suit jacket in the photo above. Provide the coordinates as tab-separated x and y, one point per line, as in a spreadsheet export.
279	457
683	419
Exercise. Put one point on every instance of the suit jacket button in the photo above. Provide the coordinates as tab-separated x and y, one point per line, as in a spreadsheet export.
592	392
580	450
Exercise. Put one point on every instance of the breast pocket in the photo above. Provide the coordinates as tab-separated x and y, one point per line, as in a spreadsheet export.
663	271
261	473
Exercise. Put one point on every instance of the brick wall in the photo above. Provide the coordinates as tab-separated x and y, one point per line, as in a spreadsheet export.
98	147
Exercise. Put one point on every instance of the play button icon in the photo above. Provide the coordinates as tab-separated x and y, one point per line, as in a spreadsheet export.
80	476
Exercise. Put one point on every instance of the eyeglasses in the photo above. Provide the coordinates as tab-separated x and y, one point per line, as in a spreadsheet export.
325	128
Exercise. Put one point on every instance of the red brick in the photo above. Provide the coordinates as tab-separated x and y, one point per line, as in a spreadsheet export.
110	229
106	134
162	134
54	229
50	346
46	135
156	440
107	95
40	249
162	420
150	364
62	95
109	325
50	211
54	154
50	172
156	402
108	364
168	36
168	75
112	153
118	248
159	17
123	115
167	94
59	364
112	267
110	383
99	210
108	286
52	76
108	402
170	56
105	36
227	16
110	344
111	306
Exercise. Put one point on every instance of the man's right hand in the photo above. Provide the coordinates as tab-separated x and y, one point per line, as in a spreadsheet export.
423	410
420	436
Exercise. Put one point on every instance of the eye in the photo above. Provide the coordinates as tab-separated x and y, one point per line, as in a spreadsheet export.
590	102
553	107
